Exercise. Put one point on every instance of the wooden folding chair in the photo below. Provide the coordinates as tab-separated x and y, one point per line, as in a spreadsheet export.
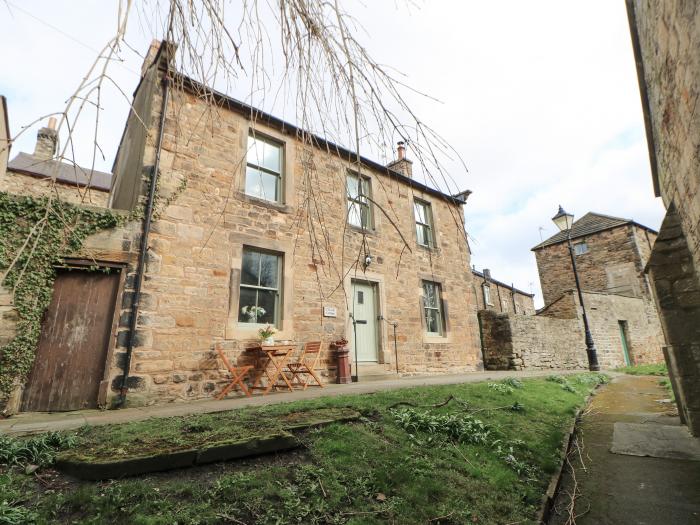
238	373
306	364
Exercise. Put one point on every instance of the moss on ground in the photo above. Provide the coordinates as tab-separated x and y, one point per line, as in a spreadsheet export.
397	464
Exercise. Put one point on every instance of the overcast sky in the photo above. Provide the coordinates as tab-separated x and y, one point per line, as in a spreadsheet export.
539	98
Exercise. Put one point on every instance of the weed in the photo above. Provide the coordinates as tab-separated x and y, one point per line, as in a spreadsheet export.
501	388
513	382
557	379
657	369
40	450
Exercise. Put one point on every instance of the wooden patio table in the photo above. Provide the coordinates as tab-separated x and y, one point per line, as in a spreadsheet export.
270	361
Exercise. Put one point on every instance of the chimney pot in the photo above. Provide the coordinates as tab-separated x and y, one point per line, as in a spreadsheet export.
401	150
52	123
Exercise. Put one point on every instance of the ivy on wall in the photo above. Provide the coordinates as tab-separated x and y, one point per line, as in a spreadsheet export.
34	234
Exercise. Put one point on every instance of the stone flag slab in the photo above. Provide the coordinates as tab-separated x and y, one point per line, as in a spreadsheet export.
657	441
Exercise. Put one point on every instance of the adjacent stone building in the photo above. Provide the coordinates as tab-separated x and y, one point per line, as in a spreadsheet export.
41	173
611	254
492	294
257	223
666	40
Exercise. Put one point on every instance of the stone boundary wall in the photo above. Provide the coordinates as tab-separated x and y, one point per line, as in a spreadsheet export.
517	342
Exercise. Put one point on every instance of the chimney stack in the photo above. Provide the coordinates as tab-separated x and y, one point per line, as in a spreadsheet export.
487	274
402	165
46	141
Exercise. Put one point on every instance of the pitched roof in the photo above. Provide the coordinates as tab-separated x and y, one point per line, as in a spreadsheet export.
590	223
66	173
501	283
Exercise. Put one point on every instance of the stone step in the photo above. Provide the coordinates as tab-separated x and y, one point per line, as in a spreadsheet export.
375	372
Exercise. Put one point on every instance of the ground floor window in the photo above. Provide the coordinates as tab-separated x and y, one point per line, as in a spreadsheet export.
259	300
432	309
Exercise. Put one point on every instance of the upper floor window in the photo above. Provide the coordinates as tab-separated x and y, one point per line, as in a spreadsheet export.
487	295
263	175
424	223
261	277
580	248
359	206
432	308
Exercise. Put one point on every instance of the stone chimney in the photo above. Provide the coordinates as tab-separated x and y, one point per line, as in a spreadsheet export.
401	165
487	274
46	141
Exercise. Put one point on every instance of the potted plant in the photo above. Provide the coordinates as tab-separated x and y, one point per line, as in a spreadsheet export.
266	335
253	312
340	344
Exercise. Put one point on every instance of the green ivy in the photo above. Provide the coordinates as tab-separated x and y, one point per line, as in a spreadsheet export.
35	232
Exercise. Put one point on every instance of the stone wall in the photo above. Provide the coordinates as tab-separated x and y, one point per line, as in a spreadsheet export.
22	184
666	39
556	339
519	342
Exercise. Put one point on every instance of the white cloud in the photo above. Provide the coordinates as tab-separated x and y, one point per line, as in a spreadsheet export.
540	99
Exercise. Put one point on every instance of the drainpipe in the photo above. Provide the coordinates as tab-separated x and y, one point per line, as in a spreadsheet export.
143	248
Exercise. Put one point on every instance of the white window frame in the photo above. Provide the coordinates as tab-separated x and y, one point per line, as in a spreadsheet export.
254	163
583	248
277	320
486	288
437	308
364	194
427	226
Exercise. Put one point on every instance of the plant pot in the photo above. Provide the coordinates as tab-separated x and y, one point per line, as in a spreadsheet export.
269	341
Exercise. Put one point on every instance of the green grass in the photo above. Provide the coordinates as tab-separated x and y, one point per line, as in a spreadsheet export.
658	369
486	457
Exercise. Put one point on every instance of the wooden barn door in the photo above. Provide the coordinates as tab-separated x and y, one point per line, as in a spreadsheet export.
72	350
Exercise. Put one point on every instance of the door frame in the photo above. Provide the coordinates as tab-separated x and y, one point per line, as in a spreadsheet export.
82	264
377	281
377	335
625	340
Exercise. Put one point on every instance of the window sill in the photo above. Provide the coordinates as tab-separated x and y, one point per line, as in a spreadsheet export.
435	339
358	229
278	206
431	248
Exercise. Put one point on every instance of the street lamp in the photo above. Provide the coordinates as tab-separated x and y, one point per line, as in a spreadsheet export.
564	222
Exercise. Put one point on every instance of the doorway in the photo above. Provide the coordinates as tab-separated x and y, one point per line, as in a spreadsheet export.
625	345
364	311
72	350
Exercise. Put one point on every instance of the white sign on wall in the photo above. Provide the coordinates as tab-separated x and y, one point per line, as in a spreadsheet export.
330	311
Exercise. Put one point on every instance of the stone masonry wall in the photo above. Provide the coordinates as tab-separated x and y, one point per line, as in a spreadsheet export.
502	297
517	342
193	274
21	184
556	339
668	36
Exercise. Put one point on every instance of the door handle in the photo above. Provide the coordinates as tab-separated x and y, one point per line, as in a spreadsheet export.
360	321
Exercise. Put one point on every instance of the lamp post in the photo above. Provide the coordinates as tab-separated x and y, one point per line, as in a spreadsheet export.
564	222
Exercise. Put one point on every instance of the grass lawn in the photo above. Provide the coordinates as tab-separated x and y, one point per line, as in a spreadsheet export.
658	369
484	457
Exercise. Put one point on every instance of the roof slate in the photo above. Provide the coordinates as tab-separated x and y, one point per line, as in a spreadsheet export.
590	223
65	173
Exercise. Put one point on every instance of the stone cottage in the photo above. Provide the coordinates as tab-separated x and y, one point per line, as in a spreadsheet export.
492	294
666	38
256	223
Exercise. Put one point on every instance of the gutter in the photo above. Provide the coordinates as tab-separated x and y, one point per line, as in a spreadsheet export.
143	248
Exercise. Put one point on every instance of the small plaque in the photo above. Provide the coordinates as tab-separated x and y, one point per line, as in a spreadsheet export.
330	311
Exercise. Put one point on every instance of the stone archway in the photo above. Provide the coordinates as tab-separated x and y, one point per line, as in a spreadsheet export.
676	283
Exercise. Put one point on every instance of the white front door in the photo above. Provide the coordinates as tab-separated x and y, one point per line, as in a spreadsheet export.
364	311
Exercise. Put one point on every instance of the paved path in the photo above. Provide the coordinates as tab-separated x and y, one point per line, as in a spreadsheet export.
618	488
30	423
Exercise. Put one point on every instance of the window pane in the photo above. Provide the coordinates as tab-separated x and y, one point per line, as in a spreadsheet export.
260	184
430	295
354	214
250	268
352	187
256	151
268	270
272	159
365	187
366	217
422	235
247	303
267	299
419	211
432	321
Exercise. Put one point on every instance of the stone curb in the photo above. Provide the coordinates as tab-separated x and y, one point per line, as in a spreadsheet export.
219	451
547	502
